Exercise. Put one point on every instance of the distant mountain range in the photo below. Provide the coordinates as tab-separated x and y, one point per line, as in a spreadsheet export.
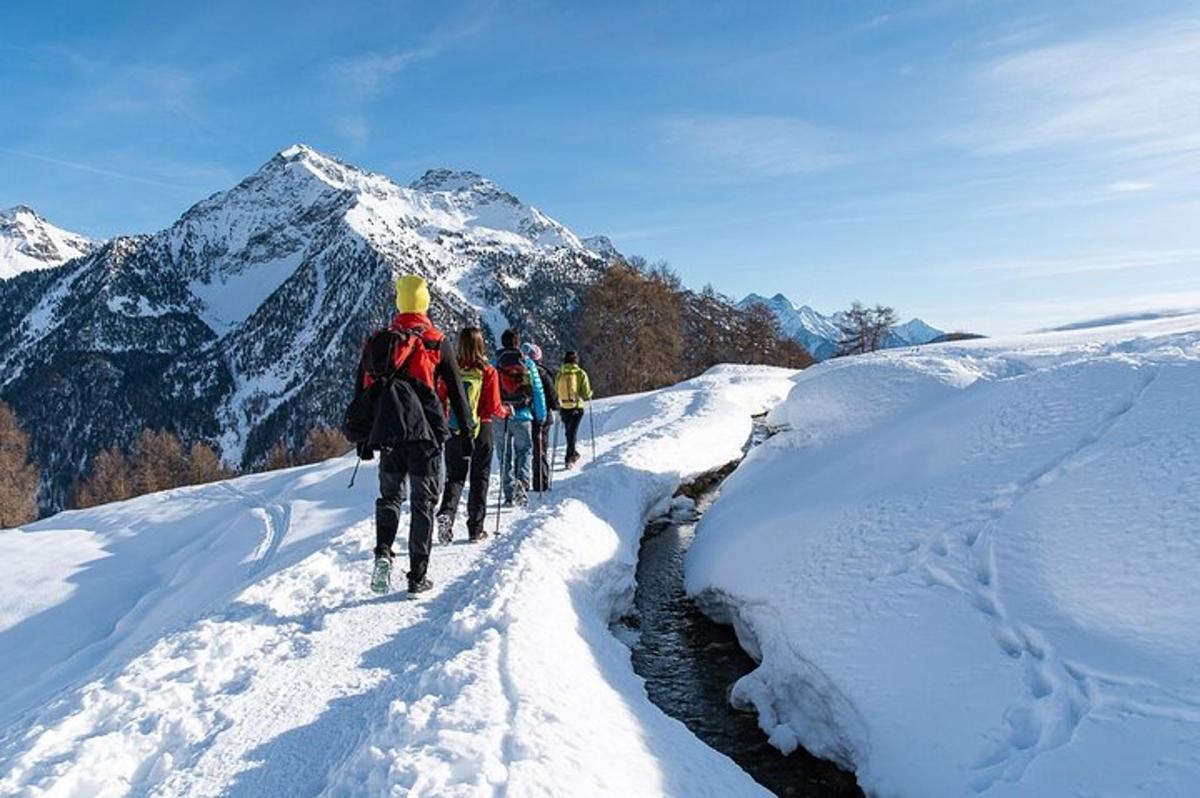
819	333
28	243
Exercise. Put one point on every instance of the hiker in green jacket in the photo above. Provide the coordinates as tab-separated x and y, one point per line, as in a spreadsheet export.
574	391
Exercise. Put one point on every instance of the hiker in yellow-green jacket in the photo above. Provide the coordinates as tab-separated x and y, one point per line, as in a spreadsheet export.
574	391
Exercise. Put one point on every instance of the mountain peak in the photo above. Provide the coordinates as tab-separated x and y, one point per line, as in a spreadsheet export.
778	303
303	152
29	242
18	210
296	150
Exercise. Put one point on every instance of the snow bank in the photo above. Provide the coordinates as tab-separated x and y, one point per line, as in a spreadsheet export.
976	567
221	640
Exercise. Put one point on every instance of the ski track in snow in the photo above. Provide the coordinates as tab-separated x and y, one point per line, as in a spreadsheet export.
300	681
276	518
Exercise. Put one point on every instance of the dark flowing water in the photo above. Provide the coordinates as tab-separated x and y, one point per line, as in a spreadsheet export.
689	664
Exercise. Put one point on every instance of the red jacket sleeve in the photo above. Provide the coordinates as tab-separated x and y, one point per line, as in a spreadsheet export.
490	405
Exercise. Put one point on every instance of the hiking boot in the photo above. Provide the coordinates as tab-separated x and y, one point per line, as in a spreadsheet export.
381	576
419	585
478	537
520	494
445	528
508	501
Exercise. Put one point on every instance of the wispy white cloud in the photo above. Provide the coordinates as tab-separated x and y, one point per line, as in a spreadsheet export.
1091	263
1130	186
1020	34
1131	93
755	146
83	167
359	79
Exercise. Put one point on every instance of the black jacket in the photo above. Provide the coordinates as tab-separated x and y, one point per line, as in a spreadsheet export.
548	379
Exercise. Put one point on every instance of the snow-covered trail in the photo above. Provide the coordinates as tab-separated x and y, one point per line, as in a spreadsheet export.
222	641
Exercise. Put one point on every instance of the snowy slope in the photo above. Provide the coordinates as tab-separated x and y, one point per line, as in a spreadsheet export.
820	333
28	243
221	639
986	576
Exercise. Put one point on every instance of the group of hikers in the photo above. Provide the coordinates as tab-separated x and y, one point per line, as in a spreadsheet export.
419	400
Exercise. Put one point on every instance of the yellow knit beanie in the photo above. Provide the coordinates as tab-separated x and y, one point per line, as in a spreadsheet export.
412	294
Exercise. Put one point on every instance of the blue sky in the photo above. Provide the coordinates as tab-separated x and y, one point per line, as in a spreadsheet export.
995	166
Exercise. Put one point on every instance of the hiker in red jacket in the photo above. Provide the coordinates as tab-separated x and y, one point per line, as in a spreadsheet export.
481	385
409	456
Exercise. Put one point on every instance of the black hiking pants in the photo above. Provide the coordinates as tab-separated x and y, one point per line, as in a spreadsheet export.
541	453
570	420
413	466
478	467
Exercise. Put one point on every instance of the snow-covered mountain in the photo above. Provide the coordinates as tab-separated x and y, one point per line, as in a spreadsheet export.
29	242
238	324
819	333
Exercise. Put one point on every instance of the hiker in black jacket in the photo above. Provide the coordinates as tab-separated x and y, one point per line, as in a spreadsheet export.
415	457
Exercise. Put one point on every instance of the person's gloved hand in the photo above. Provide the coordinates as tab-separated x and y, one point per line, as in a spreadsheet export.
467	444
365	452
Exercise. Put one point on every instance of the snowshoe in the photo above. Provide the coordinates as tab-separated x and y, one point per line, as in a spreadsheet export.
445	529
520	494
381	577
419	585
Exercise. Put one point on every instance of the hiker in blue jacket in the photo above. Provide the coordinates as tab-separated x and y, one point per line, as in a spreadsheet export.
521	390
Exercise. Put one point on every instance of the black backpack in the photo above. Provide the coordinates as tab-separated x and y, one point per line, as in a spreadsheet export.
396	408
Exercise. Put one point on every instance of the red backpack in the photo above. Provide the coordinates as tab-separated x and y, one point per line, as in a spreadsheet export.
516	389
388	352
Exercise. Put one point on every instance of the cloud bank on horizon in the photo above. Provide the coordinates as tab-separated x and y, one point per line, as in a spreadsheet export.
994	169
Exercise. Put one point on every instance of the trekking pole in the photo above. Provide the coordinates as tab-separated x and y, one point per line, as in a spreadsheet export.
554	451
354	476
592	430
500	486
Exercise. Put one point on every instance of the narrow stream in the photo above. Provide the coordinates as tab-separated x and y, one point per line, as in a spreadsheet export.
689	662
